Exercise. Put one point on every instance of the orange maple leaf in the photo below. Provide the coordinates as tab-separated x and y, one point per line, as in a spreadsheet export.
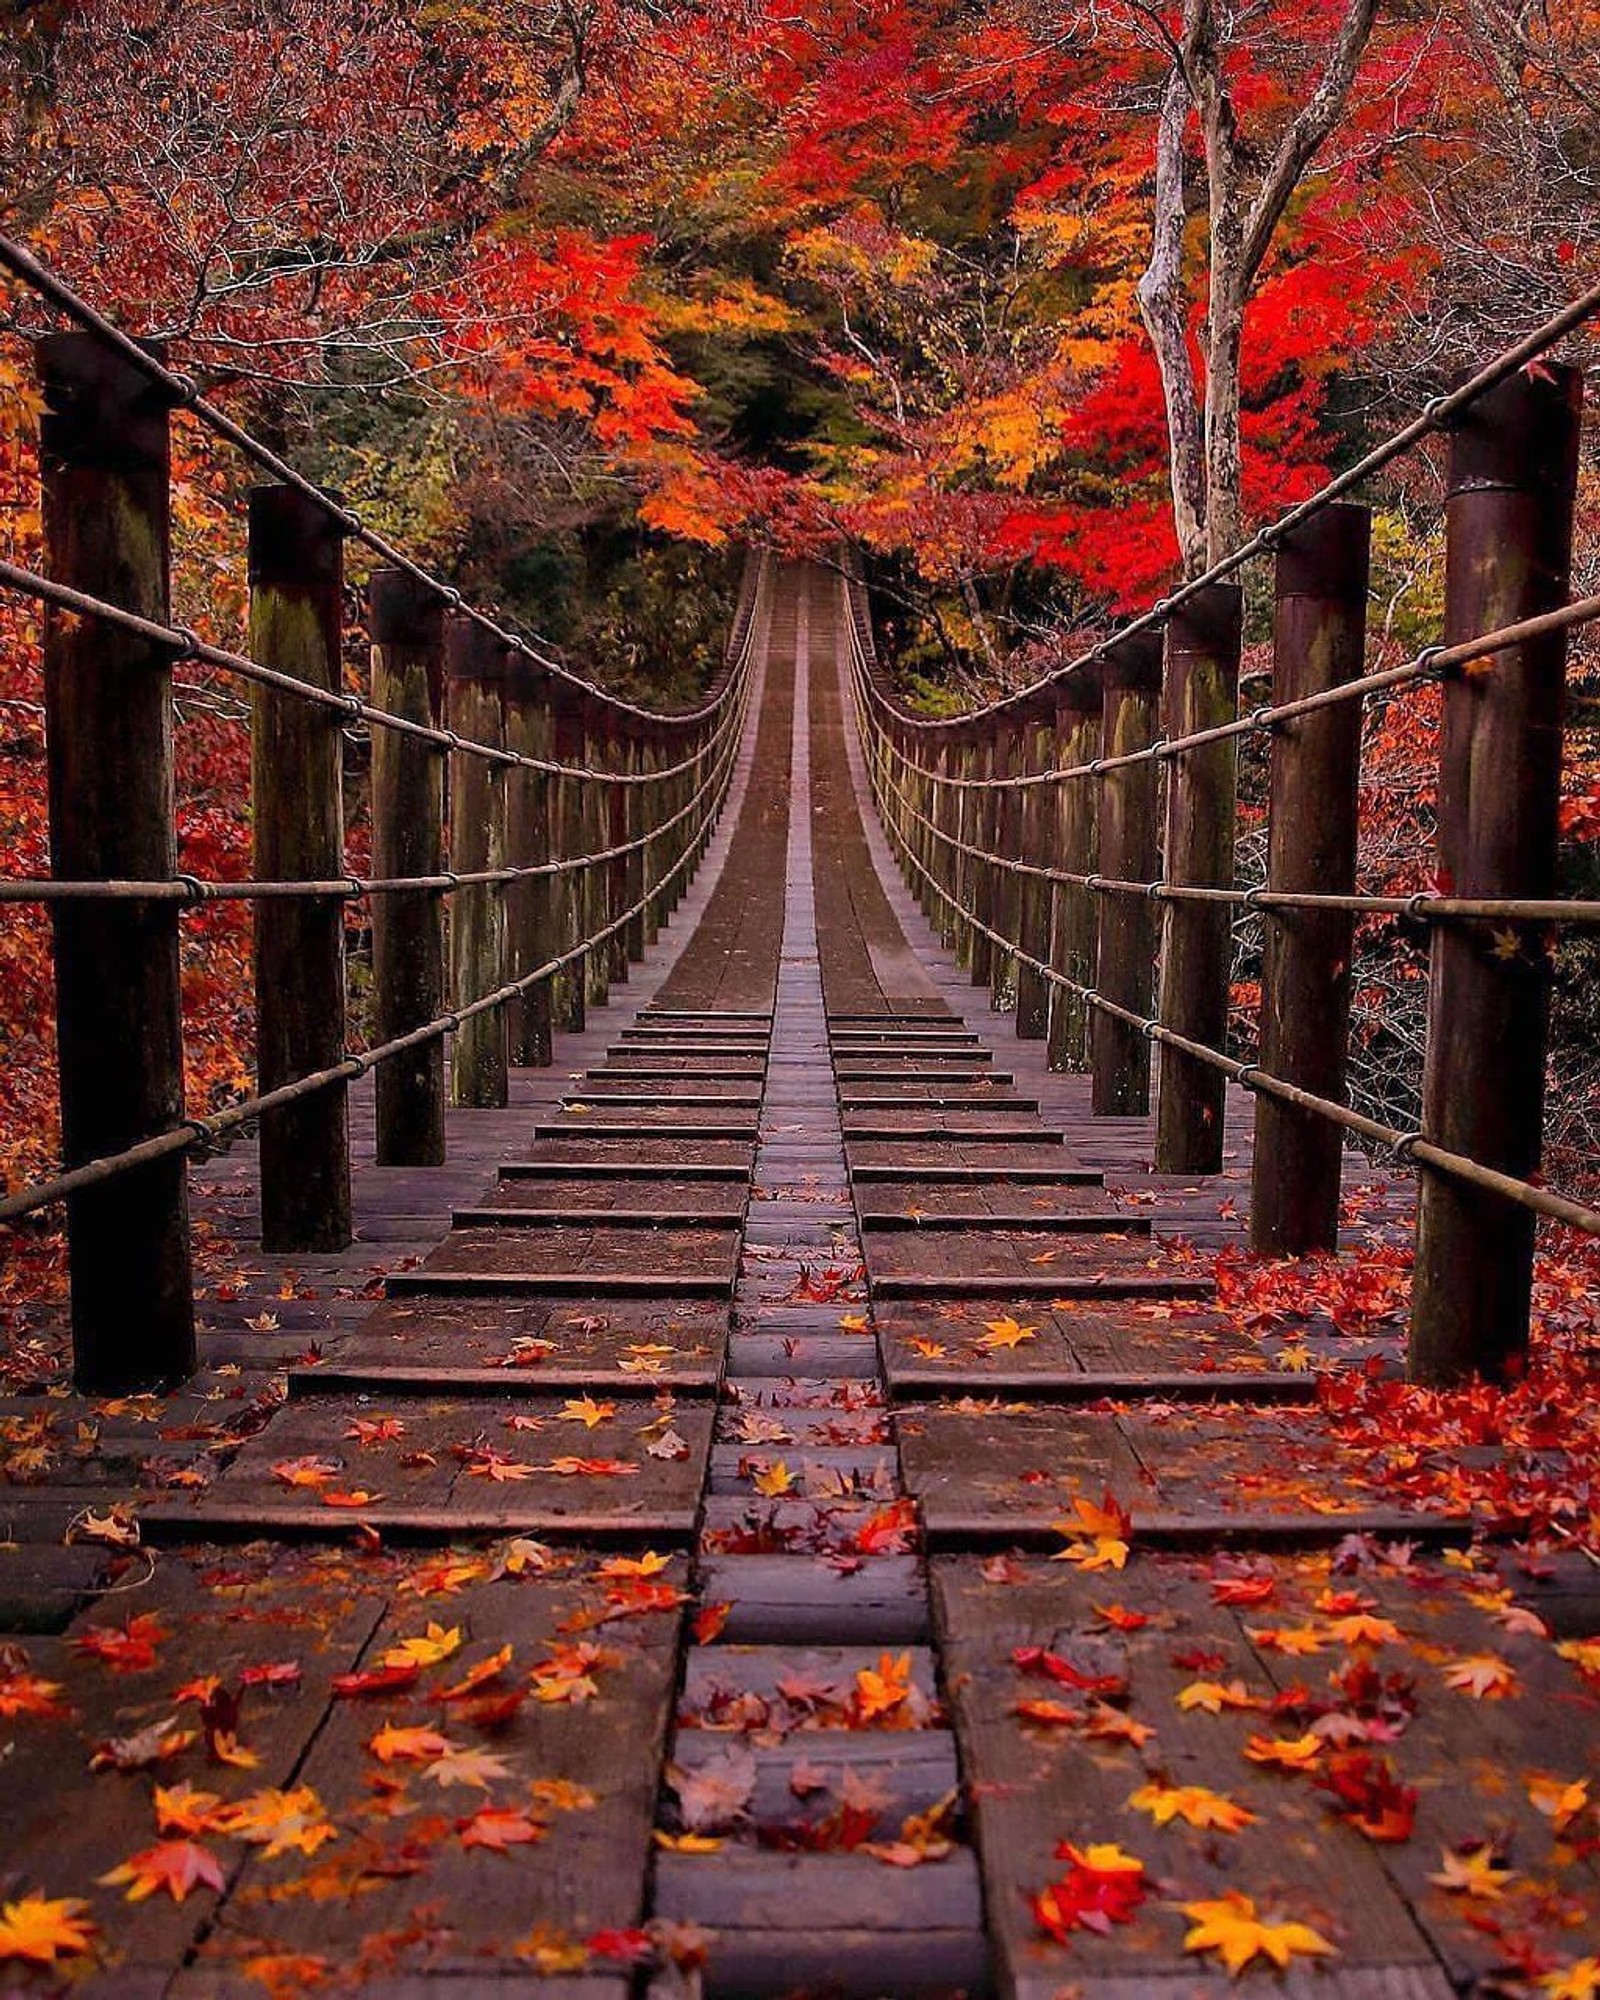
42	1929
174	1865
1193	1804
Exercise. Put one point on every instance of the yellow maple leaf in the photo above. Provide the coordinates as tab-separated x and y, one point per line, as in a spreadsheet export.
773	1480
1578	1981
586	1411
1193	1804
1230	1926
1285	1753
1584	1655
1003	1333
1474	1873
436	1644
930	1350
854	1323
1215	1696
1364	1628
686	1843
42	1929
280	1822
1559	1799
884	1688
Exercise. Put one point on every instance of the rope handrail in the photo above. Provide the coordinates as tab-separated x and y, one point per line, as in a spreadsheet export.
185	394
1425	665
198	1135
1470	1173
183	644
193	891
1426	906
1436	417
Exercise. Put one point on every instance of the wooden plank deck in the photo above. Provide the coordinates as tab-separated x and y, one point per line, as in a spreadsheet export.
648	1538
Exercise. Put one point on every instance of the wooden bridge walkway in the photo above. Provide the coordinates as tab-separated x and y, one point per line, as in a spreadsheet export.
657	1582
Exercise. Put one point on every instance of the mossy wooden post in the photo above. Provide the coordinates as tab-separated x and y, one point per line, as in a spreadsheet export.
653	811
1202	690
965	827
1035	846
567	999
620	811
103	447
1006	839
596	839
1075	811
634	938
407	630
297	814
476	667
1319	642
1513	473
530	934
985	819
1129	851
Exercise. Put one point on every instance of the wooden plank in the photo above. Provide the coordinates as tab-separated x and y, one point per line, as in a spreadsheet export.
804	1601
1131	1286
701	1217
786	1893
886	1165
588	1873
605	1170
513	1341
1033	1786
595	1130
1099	1221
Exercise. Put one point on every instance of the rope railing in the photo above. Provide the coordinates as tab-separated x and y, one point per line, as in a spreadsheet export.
530	835
1434	419
183	392
197	1136
1076	844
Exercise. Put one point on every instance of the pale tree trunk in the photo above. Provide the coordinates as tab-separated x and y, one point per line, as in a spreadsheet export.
1244	206
1164	307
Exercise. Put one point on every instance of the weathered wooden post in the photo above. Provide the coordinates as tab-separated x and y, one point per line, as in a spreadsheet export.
1036	846
1003	824
965	824
1513	472
620	807
985	827
596	838
296	561
103	448
530	938
945	811
566	814
1319	642
476	663
1125	926
1074	918
637	822
407	633
1202	690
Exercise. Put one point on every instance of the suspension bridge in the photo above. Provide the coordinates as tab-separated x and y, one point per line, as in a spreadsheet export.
719	1464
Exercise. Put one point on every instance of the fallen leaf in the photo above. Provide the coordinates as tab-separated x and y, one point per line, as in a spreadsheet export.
586	1411
408	1746
1230	1926
1285	1753
434	1645
42	1929
1472	1872
280	1822
500	1827
1193	1804
174	1865
1004	1333
456	1766
1484	1676
773	1479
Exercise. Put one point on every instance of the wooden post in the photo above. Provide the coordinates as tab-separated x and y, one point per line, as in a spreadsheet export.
103	448
964	821
639	804
297	806
1513	473
985	826
407	631
596	838
1125	925
476	663
530	934
619	815
654	810
1074	918
1202	690
1319	642
1035	845
1007	824
566	815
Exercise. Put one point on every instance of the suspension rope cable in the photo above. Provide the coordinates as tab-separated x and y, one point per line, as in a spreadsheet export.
185	394
201	1134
